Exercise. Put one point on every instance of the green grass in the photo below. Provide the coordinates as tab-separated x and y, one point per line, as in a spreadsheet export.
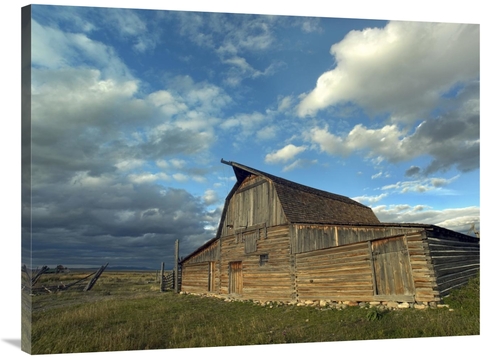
128	312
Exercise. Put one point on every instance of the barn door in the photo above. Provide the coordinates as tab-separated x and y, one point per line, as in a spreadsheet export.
391	266
235	278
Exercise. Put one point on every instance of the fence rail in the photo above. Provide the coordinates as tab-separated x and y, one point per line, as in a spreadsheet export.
168	282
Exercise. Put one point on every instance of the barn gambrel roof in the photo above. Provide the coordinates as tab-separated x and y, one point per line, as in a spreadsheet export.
304	204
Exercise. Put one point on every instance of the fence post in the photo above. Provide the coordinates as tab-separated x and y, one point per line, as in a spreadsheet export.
95	278
176	267
161	275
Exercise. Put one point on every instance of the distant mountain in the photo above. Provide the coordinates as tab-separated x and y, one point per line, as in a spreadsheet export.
109	268
130	268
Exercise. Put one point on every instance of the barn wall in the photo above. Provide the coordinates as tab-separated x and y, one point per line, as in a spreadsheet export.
422	269
195	270
308	237
211	253
196	277
262	279
454	261
352	271
337	273
393	277
254	203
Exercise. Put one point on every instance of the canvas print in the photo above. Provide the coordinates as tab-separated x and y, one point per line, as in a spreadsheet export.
201	179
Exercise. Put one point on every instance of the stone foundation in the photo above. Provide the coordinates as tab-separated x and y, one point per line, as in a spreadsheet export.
331	304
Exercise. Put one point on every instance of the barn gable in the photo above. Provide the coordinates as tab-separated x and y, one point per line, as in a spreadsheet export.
300	203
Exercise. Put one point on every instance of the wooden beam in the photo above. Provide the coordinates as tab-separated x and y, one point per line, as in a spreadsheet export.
162	273
95	278
176	267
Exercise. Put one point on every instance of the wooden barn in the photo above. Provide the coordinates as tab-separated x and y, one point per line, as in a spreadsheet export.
282	241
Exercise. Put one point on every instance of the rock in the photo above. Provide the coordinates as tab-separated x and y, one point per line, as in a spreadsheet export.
392	304
350	303
404	305
420	306
323	303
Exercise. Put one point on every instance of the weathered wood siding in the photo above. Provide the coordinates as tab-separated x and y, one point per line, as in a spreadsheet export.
391	269
254	203
201	269
422	269
454	262
262	278
399	269
200	277
209	254
307	237
235	285
337	273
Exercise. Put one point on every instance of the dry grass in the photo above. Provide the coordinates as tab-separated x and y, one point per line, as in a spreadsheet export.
126	311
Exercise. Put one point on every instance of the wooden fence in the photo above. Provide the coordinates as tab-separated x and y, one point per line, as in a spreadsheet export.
168	282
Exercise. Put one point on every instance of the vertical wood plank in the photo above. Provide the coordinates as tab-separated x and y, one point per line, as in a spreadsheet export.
162	273
176	267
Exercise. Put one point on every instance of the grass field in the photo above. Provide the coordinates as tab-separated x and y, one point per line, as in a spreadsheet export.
127	311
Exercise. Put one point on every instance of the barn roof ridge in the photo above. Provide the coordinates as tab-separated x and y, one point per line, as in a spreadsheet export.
295	185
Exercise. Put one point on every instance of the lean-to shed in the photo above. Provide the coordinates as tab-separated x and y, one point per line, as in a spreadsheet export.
282	241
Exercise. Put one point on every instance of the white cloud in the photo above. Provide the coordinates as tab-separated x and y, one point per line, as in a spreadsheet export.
148	177
311	25
127	22
180	177
241	63
168	104
402	69
386	142
129	164
285	154
244	124
267	133
421	185
451	139
55	49
232	39
300	163
210	197
370	199
285	103
456	219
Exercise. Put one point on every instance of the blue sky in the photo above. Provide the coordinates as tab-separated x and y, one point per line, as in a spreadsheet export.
132	111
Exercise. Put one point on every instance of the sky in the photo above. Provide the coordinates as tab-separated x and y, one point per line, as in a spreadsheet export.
133	110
